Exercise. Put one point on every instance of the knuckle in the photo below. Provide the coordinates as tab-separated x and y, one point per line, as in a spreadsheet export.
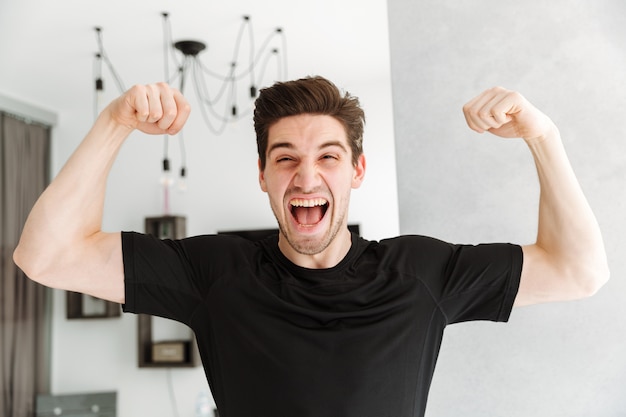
152	88
142	115
517	96
136	90
156	114
169	114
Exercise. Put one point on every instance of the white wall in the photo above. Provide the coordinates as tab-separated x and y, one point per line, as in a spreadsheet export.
565	359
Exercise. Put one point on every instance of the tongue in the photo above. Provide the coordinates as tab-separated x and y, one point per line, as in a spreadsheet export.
308	215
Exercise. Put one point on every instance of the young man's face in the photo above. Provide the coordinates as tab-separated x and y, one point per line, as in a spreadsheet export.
308	177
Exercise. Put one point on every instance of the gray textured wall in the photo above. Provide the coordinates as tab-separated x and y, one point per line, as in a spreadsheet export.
569	59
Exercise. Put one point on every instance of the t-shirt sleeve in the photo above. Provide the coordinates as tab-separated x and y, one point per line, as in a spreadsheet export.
158	277
480	282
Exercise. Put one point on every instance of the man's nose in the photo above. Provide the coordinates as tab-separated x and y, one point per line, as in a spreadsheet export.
307	177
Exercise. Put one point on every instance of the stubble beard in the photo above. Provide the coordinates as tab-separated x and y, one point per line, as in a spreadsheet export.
310	246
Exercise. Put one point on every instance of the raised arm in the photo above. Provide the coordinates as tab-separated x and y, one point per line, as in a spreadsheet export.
568	260
62	245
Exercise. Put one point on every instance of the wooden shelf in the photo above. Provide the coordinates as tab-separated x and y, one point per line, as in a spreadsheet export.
166	227
82	306
190	356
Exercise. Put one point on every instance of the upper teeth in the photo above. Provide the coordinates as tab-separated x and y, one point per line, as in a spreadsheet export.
298	202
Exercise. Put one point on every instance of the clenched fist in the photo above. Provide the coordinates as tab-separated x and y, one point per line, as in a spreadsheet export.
153	109
507	114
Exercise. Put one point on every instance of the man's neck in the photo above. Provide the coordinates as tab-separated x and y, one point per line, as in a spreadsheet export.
328	258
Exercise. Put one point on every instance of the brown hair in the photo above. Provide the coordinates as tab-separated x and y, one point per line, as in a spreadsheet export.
312	95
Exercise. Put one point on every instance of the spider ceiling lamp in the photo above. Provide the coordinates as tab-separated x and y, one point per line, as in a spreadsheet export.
224	95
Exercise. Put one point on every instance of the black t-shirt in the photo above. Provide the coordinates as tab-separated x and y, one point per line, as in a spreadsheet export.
357	340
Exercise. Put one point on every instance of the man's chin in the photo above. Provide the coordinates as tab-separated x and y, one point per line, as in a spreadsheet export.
309	240
308	246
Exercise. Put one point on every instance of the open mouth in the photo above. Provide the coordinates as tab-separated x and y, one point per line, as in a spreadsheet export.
308	212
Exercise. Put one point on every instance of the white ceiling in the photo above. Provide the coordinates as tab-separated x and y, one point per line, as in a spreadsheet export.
47	48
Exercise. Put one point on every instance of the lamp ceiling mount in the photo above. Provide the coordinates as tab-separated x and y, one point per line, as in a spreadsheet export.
191	48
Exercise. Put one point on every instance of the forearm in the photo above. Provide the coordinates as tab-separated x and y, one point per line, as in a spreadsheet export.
568	232
69	212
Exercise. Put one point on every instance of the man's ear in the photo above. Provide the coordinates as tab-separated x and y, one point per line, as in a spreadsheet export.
359	172
261	177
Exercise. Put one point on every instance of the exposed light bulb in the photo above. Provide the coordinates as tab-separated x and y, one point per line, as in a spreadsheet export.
99	93
99	86
166	179
166	183
182	180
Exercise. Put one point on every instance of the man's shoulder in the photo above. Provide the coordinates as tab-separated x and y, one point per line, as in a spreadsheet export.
404	250
408	242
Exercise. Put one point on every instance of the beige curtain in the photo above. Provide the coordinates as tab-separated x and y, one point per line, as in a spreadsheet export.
24	305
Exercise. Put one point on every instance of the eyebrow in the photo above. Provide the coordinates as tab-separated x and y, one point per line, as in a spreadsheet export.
289	145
